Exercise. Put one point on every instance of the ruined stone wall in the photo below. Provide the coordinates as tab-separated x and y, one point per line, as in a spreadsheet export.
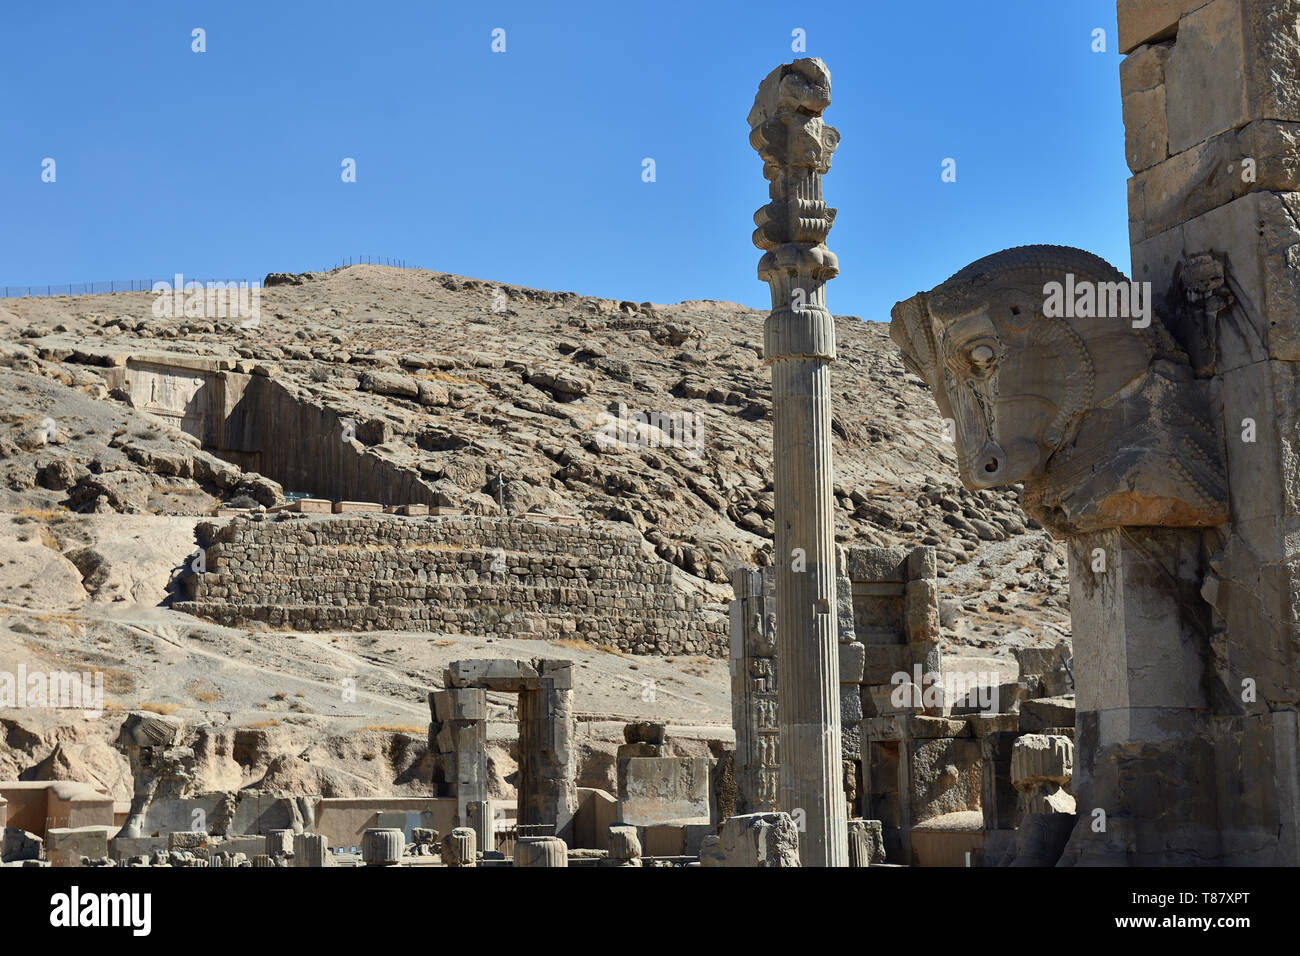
467	575
271	427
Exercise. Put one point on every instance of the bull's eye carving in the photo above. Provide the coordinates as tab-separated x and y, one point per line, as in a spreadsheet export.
981	355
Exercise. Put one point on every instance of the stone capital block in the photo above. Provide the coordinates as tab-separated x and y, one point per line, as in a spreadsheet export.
1039	757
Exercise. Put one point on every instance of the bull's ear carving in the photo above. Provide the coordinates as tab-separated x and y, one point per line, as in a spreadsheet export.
1057	374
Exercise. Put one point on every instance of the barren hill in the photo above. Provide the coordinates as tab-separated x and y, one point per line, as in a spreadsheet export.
403	386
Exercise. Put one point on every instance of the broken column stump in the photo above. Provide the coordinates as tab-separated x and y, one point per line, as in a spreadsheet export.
382	846
459	847
541	851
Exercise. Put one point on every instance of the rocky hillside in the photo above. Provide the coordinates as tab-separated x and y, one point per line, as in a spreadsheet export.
473	393
475	385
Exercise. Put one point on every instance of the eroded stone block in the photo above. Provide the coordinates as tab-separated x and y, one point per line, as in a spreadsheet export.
760	839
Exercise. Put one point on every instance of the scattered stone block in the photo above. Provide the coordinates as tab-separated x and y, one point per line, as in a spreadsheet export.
663	789
67	846
312	506
357	507
188	840
1046	714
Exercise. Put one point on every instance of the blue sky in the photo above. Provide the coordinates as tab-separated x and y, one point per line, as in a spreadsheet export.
525	166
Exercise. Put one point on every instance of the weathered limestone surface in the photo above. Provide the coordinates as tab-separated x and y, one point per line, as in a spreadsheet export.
1041	766
866	843
541	851
452	574
753	690
460	847
799	344
161	770
309	850
69	846
663	789
759	839
889	633
382	846
624	845
279	842
458	741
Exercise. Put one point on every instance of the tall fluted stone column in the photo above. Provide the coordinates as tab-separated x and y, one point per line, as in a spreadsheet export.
799	344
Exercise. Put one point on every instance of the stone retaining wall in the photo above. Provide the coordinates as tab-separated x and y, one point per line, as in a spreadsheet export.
476	575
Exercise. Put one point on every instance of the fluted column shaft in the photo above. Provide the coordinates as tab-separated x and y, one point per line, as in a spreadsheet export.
799	345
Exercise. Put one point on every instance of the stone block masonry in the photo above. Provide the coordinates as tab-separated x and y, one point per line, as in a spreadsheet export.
474	575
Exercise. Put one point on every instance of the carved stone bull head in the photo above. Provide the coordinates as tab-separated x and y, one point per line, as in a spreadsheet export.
1098	415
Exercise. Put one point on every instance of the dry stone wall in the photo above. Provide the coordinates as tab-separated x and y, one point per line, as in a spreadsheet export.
477	575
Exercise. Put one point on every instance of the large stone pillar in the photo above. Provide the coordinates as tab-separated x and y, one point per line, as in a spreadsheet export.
1211	93
548	791
458	740
753	691
799	345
